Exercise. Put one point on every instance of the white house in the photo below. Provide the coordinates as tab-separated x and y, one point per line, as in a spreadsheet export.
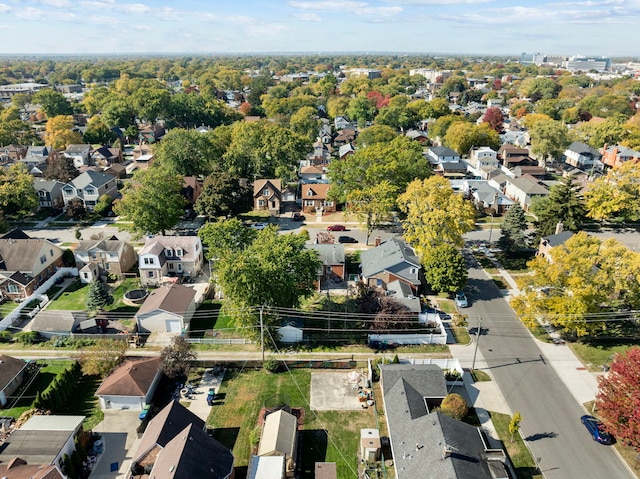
168	309
581	155
89	187
80	154
163	257
131	385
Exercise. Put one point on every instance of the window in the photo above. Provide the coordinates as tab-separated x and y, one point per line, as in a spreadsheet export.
168	252
170	265
328	203
150	274
179	266
51	252
90	191
413	271
85	275
309	203
265	192
12	288
260	203
148	261
309	192
179	252
43	259
69	191
107	266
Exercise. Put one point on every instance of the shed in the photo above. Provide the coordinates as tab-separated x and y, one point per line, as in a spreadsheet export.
266	467
326	470
131	385
280	438
370	444
167	309
291	332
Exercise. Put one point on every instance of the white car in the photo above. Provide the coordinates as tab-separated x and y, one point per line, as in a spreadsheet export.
259	226
461	300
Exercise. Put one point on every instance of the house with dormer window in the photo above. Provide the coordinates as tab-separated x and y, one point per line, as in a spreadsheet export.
315	198
164	258
89	187
393	260
80	154
267	195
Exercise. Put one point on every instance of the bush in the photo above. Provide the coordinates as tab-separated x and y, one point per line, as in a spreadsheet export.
455	406
27	337
272	365
5	336
452	375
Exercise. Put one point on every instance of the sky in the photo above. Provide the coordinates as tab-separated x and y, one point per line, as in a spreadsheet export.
590	27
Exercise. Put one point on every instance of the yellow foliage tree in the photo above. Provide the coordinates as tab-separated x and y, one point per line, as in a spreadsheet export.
59	133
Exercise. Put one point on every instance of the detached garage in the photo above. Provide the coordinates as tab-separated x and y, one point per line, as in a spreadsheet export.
131	385
167	309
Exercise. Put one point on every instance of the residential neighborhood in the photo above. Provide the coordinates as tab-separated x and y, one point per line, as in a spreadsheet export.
367	267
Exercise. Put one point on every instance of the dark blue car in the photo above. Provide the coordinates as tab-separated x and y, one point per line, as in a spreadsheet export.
596	429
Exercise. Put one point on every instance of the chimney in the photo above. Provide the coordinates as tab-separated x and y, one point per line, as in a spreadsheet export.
559	227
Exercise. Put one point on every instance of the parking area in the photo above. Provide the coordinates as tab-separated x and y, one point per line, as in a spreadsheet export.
120	440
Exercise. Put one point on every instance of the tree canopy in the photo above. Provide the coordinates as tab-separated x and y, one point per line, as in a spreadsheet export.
17	193
615	195
444	268
222	195
564	204
178	357
186	152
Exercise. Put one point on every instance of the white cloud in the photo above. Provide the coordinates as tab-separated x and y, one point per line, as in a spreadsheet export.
307	17
439	2
29	13
102	20
134	8
55	3
4	8
332	5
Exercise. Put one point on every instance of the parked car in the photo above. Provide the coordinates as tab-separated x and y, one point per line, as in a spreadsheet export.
461	300
259	226
298	217
346	239
146	410
336	228
596	429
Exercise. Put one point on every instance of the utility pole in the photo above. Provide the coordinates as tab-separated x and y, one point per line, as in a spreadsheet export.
262	332
475	352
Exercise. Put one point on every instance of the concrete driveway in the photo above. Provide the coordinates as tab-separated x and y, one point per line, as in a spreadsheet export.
118	431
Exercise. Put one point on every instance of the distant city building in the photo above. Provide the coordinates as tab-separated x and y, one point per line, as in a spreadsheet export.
580	63
7	91
363	72
432	76
533	59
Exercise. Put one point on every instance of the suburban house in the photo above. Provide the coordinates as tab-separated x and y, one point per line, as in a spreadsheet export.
51	323
486	197
131	385
191	189
313	174
390	261
442	154
451	169
315	199
334	266
483	156
80	154
105	156
511	156
12	372
267	195
18	468
89	187
166	257
168	309
12	153
28	442
419	136
581	155
551	241
175	444
617	155
112	256
26	263
524	189
280	438
49	193
346	150
423	440
151	133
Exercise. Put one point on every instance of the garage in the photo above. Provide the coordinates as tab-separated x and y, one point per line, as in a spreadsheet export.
173	326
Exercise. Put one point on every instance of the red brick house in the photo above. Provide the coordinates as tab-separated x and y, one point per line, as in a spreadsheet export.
315	198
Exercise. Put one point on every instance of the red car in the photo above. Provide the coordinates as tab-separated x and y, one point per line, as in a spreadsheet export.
336	228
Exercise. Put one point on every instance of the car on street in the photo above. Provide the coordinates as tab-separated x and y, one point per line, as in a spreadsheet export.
346	239
259	226
298	217
596	429
336	228
461	300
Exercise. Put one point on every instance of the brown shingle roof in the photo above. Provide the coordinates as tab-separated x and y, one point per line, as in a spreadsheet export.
9	369
133	378
173	298
22	255
319	191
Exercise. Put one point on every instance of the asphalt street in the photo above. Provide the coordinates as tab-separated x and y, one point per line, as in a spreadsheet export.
551	416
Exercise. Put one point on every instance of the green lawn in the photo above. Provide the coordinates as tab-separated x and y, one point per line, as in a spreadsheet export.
331	436
518	452
6	308
594	356
74	298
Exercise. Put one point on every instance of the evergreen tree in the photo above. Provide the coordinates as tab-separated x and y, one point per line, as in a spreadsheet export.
514	228
98	296
564	204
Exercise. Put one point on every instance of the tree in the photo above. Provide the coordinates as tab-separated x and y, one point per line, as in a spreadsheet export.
444	268
372	205
361	109
98	296
514	424
102	357
151	102
76	209
435	214
618	399
225	237
178	357
274	270
186	152
495	119
17	193
52	103
616	195
514	228
59	133
455	406
151	201
549	139
564	204
103	206
305	122
439	128
391	315
61	168
397	162
223	195
539	88
462	136
376	134
586	278
98	132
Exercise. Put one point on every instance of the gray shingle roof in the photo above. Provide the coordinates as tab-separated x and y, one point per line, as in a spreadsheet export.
557	239
389	254
90	177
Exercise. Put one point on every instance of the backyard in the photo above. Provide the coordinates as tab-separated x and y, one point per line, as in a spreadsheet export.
331	436
74	298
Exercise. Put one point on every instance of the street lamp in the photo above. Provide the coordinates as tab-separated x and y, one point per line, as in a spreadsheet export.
490	228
